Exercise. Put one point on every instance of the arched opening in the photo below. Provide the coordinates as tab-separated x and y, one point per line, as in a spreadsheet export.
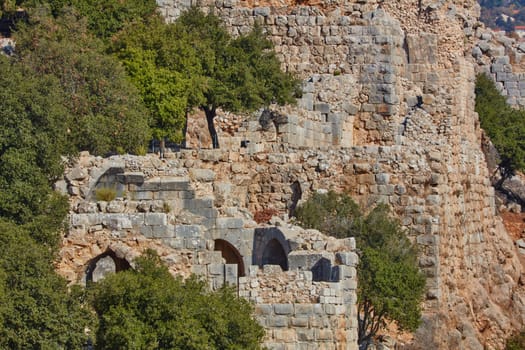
274	254
231	255
105	264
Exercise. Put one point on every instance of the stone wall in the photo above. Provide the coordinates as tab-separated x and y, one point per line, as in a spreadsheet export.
303	283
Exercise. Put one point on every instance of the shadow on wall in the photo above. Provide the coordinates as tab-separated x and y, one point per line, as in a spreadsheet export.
270	247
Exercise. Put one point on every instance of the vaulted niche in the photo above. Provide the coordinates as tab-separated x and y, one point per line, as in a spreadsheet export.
274	254
231	255
105	264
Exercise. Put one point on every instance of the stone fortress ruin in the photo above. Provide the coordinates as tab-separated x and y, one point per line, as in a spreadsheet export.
387	115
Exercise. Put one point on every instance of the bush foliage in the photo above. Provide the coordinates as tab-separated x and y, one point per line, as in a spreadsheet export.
503	124
390	285
147	308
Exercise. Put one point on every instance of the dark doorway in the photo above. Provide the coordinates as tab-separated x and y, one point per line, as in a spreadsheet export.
105	264
274	254
231	255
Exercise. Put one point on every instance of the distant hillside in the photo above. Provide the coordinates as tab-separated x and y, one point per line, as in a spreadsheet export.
503	14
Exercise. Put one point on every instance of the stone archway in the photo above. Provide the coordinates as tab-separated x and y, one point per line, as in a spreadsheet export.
105	264
231	255
274	254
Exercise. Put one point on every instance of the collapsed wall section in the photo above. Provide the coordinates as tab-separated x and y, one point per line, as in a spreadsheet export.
302	282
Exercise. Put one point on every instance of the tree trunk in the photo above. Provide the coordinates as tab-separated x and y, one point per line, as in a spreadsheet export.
162	146
210	115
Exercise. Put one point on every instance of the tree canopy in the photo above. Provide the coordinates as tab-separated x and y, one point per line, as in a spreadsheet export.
36	311
105	109
146	308
390	285
503	124
195	62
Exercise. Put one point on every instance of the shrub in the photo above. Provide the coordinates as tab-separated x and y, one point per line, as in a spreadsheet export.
105	194
390	286
516	342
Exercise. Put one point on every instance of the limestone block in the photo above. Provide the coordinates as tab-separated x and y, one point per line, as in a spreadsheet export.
231	223
299	321
147	231
118	222
303	309
194	243
155	219
198	203
422	48
285	335
306	335
261	11
85	207
230	274
187	231
216	269
278	321
174	183
130	178
323	334
283	309
202	175
263	309
76	174
103	267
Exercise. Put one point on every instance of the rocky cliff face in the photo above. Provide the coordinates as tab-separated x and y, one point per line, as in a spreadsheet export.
387	115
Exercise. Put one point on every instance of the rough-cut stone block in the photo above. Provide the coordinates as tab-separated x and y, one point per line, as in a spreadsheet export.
323	334
283	309
342	272
285	335
304	309
299	321
230	274
306	335
231	223
194	243
187	231
278	321
155	219
174	184
263	309
216	269
130	178
202	175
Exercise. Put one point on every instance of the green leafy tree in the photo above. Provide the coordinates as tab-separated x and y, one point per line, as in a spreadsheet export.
107	114
504	125
196	63
166	71
37	310
148	308
390	286
242	74
32	139
108	17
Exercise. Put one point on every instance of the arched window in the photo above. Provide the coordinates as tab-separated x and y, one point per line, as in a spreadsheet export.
274	254
231	255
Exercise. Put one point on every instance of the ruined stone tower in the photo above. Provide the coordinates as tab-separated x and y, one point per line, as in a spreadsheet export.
387	115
